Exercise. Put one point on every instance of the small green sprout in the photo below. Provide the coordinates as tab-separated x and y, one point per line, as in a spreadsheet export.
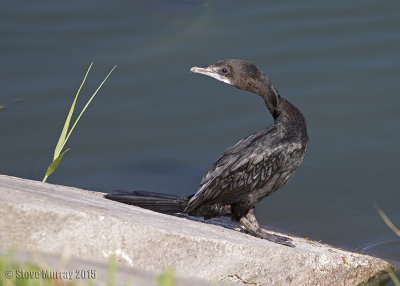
166	278
397	232
58	154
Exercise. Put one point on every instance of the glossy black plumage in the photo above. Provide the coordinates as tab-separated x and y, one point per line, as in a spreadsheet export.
250	170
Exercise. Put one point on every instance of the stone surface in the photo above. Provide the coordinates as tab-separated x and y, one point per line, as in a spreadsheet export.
50	218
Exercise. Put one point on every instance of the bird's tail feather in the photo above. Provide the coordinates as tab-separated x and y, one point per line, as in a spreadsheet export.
149	200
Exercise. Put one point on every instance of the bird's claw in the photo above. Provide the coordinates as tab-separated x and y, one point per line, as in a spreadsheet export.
275	238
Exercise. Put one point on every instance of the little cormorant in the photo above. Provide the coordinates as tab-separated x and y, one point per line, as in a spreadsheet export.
250	170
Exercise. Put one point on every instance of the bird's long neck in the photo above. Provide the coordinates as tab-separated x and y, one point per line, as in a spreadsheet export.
272	99
284	113
281	110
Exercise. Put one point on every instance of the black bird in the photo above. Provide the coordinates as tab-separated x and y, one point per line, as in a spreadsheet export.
250	170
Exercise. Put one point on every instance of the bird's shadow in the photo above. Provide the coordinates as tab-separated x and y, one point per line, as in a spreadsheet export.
219	221
229	224
225	222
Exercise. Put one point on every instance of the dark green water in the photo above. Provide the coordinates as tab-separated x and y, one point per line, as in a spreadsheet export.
156	127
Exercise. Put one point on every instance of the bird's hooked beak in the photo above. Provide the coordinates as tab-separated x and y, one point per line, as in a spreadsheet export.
212	72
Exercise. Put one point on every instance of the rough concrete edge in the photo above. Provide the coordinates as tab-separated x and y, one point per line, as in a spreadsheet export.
379	276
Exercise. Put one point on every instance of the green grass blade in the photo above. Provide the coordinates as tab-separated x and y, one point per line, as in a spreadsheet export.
53	166
394	278
387	221
87	104
62	140
166	278
397	232
112	268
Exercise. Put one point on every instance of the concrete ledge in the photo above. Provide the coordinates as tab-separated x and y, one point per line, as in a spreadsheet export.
50	218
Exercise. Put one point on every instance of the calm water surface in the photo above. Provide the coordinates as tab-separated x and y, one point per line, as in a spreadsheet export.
154	126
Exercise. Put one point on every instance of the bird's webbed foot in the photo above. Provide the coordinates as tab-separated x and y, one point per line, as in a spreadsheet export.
250	223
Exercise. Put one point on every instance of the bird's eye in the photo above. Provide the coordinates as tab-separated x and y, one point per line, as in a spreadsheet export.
224	70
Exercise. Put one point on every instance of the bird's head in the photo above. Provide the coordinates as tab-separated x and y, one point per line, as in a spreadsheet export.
238	73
